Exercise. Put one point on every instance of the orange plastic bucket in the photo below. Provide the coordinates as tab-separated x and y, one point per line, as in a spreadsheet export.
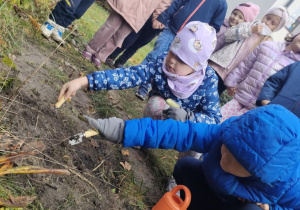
171	201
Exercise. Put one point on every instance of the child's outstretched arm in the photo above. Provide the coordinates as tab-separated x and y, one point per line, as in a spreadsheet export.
148	133
273	85
165	16
239	32
121	78
241	72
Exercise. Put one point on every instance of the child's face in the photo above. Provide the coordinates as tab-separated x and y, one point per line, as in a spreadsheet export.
295	44
175	65
272	21
236	18
231	165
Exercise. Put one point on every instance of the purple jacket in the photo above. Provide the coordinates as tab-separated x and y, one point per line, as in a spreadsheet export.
221	35
250	75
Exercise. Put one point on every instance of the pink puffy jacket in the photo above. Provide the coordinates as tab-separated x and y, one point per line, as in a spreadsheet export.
250	75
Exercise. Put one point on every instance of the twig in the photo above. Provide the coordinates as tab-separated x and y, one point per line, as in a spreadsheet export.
86	180
37	119
102	161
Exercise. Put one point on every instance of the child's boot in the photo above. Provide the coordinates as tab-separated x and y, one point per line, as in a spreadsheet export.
57	34
48	28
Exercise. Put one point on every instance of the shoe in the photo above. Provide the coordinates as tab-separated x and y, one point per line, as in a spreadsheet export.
118	65
96	61
57	34
110	62
142	92
87	55
47	28
171	185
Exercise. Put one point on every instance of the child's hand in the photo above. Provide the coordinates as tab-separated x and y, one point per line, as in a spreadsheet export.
264	206
157	25
257	29
112	129
231	91
69	89
265	102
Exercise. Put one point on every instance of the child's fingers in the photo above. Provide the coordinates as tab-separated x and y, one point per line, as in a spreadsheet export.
62	92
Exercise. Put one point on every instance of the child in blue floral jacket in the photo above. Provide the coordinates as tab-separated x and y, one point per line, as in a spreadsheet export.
181	74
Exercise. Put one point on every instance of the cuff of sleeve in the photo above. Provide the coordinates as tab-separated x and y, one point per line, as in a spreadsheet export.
90	80
229	83
162	20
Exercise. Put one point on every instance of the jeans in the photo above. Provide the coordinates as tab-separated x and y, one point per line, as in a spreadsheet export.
64	14
188	172
135	41
162	44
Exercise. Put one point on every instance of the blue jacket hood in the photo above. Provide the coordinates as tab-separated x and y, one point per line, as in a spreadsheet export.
273	156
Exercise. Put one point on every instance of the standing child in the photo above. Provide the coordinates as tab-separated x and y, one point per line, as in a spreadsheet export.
126	16
243	39
64	13
134	41
182	75
282	88
248	78
175	18
245	12
254	157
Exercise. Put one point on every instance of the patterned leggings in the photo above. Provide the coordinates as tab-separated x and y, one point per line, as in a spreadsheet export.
232	108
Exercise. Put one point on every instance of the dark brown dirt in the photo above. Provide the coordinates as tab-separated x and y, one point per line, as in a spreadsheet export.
32	118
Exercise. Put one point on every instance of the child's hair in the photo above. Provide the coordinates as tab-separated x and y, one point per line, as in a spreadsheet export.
249	10
281	12
290	37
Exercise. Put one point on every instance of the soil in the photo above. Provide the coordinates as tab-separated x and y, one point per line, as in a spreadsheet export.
94	165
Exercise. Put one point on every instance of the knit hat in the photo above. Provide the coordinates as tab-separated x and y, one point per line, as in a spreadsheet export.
249	10
281	12
194	44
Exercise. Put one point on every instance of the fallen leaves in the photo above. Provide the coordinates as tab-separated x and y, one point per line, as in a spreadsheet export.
125	152
21	202
126	165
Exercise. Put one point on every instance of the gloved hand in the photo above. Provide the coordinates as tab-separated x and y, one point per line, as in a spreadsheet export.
112	129
179	114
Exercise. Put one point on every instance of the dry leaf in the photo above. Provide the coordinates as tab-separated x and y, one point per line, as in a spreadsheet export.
176	158
111	97
34	22
81	74
126	165
34	170
16	202
163	157
2	42
94	143
125	152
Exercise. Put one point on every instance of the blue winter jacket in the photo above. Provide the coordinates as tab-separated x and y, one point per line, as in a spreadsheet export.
208	11
283	88
266	141
204	102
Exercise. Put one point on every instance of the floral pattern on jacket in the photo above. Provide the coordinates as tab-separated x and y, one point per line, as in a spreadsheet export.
204	102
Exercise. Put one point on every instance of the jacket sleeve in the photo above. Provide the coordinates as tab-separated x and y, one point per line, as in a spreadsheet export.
238	32
121	78
163	5
170	134
219	16
240	73
209	112
165	16
273	85
290	200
